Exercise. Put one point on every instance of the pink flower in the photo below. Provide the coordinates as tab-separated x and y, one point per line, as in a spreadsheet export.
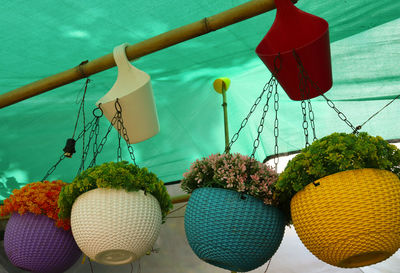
232	171
255	177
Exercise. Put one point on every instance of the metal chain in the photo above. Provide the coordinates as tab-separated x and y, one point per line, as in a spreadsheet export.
119	129
103	141
96	135
276	126
122	131
88	126
81	134
62	157
246	119
52	169
84	127
81	107
330	103
85	152
305	122
303	87
311	118
260	128
390	102
83	146
303	77
340	114
86	149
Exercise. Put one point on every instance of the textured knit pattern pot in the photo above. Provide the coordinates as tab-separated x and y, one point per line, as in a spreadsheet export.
114	226
351	219
34	243
231	230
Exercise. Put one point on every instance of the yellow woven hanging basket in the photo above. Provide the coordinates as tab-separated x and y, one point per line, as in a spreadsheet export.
351	219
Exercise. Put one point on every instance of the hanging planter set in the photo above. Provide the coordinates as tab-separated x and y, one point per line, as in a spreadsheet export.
125	205
345	191
115	209
341	193
343	224
231	219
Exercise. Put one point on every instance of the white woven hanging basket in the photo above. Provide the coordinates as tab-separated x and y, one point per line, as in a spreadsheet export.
115	227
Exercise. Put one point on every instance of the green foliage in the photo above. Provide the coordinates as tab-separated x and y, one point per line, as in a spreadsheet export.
335	153
120	175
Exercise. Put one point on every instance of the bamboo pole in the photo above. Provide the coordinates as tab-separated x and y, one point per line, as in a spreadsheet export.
180	199
167	39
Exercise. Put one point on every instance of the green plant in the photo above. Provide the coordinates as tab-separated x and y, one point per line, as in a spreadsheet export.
120	175
232	171
335	153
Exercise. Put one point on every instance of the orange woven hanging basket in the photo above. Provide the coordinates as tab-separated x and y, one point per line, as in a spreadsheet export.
351	219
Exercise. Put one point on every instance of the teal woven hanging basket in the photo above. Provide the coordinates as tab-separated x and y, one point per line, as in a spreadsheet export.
231	230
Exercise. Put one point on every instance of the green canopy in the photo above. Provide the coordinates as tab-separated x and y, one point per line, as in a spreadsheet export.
41	38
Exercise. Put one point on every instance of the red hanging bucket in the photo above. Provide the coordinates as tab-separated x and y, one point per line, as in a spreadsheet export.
297	48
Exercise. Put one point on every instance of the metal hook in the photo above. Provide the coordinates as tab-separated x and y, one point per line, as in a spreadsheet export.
101	112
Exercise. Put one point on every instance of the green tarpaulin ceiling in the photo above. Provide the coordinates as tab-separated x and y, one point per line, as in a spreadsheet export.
41	38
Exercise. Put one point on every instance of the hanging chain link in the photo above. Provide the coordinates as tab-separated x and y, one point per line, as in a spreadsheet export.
62	157
340	114
84	127
122	131
380	110
270	86
96	135
311	118
81	106
303	77
53	168
305	122
85	151
303	87
246	119
276	126
329	102
88	126
103	141
93	134
260	128
119	129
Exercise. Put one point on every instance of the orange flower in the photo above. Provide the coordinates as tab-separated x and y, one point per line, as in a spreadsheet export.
37	198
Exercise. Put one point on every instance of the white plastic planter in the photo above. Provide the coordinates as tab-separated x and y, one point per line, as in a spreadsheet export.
114	226
135	94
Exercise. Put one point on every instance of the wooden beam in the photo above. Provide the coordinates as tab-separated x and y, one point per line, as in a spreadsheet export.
159	42
180	199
